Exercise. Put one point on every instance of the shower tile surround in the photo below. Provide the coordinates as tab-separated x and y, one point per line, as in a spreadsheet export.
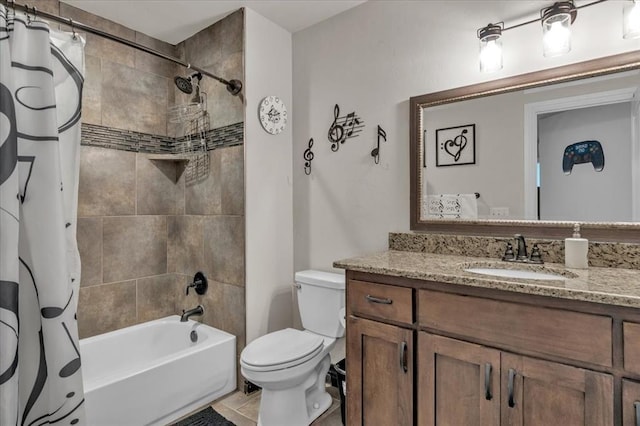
141	234
128	140
601	254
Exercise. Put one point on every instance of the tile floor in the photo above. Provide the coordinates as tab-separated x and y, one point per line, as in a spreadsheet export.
243	409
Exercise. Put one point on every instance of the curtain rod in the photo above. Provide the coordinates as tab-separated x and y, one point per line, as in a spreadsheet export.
233	86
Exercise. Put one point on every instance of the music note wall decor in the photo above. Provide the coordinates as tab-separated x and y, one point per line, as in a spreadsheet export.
308	156
375	153
456	145
343	128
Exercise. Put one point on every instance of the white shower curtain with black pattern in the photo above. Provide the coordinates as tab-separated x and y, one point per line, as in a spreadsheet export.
41	77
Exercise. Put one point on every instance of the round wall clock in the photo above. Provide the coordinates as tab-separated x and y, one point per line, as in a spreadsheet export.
273	114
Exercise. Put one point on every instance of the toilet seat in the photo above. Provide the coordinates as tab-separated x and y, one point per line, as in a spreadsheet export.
281	349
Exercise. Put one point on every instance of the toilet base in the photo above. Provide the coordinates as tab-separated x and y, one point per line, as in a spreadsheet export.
299	405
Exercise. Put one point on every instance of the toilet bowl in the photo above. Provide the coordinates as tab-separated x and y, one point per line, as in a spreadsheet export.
291	365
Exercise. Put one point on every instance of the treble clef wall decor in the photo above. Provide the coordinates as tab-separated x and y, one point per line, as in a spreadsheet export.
343	128
308	156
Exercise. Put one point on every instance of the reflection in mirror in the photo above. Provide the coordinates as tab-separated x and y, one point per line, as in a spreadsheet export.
543	150
521	139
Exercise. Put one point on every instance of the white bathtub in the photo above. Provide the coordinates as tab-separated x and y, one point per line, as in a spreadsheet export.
152	373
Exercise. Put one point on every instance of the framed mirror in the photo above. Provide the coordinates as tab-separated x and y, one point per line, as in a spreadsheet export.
531	154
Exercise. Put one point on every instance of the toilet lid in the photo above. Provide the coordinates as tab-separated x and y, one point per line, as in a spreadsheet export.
281	349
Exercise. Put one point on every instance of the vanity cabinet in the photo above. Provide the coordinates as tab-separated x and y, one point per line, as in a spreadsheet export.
460	383
479	356
379	373
380	359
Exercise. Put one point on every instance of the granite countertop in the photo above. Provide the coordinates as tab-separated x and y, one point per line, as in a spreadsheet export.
612	286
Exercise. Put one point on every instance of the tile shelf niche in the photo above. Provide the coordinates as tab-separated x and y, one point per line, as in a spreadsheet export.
180	161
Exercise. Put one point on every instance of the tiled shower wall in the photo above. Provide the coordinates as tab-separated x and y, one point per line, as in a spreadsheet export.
142	231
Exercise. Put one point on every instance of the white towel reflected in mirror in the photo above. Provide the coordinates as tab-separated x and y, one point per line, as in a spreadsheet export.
451	206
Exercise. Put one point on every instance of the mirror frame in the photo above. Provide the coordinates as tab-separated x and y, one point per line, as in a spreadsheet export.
595	231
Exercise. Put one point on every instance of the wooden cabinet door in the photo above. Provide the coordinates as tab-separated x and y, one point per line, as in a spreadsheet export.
542	393
630	403
379	373
458	383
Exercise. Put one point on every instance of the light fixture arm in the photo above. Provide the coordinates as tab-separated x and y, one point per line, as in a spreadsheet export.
540	18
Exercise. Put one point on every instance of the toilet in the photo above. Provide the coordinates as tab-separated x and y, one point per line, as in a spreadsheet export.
291	365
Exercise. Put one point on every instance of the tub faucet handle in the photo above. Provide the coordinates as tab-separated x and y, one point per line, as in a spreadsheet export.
199	283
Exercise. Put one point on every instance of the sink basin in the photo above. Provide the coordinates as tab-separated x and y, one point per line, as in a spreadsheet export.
516	273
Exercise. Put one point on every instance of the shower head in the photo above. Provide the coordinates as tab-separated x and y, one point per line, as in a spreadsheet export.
185	84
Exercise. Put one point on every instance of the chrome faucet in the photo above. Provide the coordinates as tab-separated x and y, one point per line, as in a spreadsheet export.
197	311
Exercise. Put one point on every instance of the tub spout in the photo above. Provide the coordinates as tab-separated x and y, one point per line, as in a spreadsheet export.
197	311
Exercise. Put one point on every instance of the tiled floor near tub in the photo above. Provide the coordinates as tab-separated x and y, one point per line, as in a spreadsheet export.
243	409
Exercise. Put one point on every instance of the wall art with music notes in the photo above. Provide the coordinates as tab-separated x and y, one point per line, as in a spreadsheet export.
456	145
308	157
343	128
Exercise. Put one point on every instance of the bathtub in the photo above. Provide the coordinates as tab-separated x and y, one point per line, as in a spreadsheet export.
152	373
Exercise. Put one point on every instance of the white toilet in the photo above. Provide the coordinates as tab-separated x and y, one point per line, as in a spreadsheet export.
291	365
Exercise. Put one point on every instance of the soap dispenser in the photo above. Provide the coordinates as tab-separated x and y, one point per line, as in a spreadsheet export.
576	250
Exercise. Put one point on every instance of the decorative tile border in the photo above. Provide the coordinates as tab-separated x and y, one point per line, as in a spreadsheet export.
127	140
601	254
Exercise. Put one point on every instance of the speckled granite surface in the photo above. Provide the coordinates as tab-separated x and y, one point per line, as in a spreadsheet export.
606	255
613	286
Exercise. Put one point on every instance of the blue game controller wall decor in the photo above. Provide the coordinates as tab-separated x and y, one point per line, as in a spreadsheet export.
583	152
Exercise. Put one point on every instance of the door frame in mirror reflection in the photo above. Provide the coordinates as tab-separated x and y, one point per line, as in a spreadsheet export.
532	111
596	231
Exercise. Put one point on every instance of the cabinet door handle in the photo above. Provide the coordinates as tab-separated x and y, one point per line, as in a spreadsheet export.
512	376
636	406
403	356
374	299
487	381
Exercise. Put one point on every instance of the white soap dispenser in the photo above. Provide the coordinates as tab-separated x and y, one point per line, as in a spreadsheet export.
576	250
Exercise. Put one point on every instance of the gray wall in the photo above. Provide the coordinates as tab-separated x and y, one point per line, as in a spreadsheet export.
586	195
371	59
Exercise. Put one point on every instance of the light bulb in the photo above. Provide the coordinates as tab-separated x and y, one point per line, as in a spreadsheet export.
631	20
490	55
556	38
490	47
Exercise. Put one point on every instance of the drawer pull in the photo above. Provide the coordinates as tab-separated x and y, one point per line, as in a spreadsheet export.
487	382
374	299
512	376
403	356
636	406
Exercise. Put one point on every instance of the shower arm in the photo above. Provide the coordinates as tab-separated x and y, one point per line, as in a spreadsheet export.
233	86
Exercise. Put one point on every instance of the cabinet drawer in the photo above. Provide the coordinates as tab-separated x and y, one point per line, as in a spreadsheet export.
519	327
631	341
386	302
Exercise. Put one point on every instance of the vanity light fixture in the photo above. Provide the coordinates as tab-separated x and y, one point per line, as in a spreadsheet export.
556	31
491	47
631	19
556	28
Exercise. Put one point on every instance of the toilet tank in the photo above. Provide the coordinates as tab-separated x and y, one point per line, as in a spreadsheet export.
320	300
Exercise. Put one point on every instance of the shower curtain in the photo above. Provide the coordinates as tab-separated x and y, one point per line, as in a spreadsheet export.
41	77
